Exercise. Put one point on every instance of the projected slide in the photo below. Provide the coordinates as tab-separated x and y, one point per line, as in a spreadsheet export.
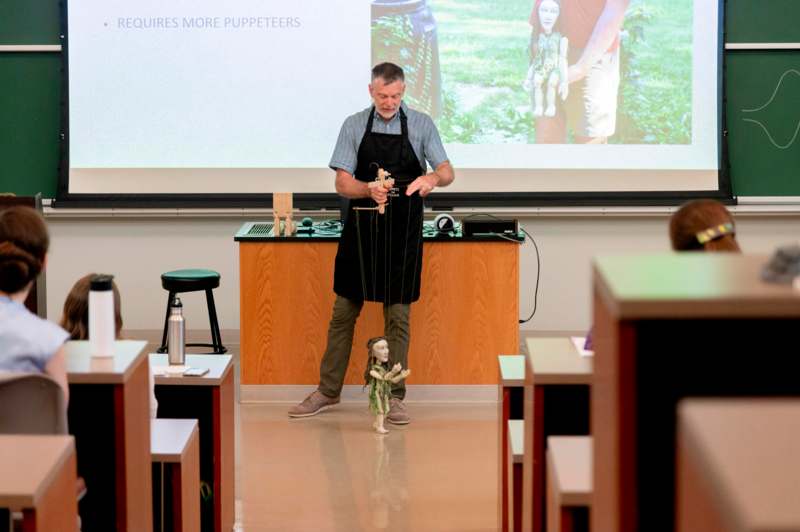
247	96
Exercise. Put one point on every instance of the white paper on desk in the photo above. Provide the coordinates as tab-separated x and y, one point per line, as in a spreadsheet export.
579	342
169	371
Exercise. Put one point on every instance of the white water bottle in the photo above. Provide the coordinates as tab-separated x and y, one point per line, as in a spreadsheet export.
101	316
176	334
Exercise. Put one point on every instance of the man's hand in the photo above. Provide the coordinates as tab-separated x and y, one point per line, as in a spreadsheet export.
378	194
424	184
563	90
576	72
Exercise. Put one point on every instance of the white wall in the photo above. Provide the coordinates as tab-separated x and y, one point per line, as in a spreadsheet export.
137	251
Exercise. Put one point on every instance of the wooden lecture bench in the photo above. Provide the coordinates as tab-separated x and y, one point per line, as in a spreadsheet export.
37	477
557	390
569	483
510	403
175	454
513	489
738	465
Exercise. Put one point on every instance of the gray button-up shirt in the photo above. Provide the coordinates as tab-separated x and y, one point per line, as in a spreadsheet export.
422	133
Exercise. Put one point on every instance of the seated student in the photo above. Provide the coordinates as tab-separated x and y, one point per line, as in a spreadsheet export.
699	225
28	344
703	225
75	319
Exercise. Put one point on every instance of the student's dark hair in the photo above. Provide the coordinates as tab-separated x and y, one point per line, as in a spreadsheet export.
698	216
388	72
75	317
23	245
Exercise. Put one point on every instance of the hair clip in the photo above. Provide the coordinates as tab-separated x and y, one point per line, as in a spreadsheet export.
713	233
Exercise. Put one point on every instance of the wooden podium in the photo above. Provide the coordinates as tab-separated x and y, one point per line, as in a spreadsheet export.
468	311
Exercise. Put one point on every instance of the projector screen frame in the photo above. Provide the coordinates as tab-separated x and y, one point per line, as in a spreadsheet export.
439	200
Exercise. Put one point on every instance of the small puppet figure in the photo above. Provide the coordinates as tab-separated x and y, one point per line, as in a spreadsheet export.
548	61
384	180
379	377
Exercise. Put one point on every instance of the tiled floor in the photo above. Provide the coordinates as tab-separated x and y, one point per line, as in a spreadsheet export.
332	472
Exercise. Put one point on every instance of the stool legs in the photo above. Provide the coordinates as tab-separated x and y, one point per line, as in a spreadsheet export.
163	348
216	337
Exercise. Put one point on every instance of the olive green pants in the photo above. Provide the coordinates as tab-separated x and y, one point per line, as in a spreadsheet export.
340	339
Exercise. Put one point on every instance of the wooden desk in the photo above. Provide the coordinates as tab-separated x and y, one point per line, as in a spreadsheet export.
672	326
37	476
109	415
175	453
210	400
738	465
557	386
468	311
510	404
515	449
569	483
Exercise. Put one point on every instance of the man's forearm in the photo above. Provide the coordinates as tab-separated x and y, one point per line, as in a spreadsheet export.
443	175
605	31
350	187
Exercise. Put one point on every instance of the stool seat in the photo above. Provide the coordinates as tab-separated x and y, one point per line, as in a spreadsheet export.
189	280
193	280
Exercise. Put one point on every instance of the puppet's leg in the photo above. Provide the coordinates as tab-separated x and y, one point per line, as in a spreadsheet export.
379	428
538	97
552	83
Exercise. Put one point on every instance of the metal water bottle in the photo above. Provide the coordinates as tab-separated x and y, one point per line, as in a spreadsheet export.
176	334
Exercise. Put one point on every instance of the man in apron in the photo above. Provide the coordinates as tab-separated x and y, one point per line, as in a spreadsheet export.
380	255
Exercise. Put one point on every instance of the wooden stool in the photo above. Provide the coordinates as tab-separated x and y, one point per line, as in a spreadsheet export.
193	280
175	453
569	483
513	489
511	393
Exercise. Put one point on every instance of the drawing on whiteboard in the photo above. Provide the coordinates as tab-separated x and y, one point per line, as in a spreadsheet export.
768	102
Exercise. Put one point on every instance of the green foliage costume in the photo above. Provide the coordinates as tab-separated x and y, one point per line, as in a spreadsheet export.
380	390
546	59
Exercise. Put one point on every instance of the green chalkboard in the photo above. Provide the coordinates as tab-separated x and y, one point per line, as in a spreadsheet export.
763	113
30	118
759	21
29	22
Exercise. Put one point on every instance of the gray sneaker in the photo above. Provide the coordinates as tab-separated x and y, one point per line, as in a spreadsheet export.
313	404
397	412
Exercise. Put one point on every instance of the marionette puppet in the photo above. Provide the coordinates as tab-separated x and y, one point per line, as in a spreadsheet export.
379	378
383	180
548	61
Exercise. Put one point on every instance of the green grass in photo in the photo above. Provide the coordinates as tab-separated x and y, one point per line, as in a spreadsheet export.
483	59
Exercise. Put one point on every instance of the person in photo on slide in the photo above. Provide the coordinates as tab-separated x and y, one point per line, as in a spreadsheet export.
380	255
592	28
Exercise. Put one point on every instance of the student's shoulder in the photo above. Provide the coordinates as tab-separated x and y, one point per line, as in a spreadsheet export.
49	335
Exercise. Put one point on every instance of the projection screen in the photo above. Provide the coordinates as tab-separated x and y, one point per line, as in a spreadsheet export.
247	97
